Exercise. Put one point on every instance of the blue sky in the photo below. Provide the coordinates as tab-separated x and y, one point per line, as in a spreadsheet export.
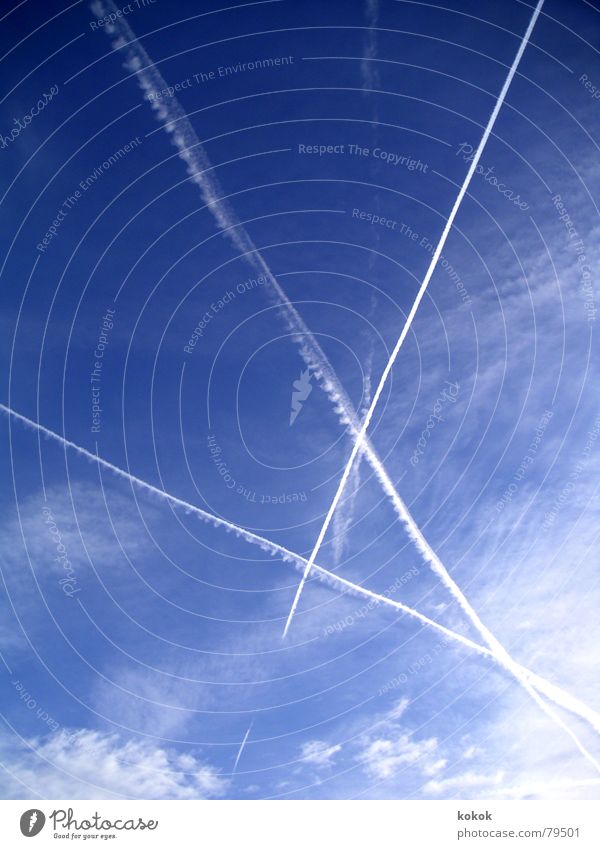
141	644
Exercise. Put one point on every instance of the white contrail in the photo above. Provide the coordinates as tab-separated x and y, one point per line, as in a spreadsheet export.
551	691
32	820
409	320
177	124
241	749
175	121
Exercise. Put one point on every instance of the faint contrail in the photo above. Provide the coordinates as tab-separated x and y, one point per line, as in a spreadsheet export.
241	749
184	138
344	515
368	69
551	691
177	124
255	539
174	119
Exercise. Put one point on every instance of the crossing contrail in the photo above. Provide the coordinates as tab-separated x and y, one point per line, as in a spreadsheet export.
333	581
241	749
176	123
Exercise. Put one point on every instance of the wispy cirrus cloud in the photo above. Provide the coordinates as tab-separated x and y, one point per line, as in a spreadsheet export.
319	753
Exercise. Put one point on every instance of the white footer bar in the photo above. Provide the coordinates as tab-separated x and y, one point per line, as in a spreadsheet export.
302	824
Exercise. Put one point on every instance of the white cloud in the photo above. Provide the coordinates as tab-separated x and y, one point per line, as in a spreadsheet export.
476	785
85	764
466	784
383	756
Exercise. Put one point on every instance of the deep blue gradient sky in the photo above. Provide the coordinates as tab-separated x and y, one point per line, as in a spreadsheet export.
140	644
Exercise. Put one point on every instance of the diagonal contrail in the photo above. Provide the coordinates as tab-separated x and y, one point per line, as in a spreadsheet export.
175	122
551	691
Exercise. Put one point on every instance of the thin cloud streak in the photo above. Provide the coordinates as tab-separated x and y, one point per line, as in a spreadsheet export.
368	66
183	136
